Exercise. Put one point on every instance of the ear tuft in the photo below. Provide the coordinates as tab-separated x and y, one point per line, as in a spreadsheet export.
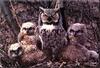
41	8
57	9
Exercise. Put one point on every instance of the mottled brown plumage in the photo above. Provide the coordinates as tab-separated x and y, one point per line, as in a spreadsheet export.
31	53
73	53
52	32
76	50
30	43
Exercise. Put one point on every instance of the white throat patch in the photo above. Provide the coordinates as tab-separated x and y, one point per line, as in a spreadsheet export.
47	27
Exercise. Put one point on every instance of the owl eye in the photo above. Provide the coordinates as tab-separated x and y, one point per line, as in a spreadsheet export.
19	49
12	52
79	31
71	30
31	28
24	28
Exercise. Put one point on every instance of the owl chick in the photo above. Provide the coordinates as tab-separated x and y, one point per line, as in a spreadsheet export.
77	32
15	51
28	34
76	49
52	32
27	29
30	43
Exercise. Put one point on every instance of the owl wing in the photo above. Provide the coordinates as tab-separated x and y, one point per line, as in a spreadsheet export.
20	37
39	43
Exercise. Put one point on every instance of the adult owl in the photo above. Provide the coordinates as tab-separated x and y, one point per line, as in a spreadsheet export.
51	32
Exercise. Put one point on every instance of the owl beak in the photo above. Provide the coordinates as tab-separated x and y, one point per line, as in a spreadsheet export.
27	31
14	55
75	34
49	19
72	38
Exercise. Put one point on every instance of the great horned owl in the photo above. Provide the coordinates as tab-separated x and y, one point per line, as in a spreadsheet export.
76	51
49	16
52	32
30	42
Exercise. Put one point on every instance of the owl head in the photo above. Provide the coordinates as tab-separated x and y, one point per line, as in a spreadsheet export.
49	16
28	28
15	50
76	31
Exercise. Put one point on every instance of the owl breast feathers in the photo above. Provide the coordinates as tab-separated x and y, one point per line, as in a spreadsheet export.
54	38
53	41
31	51
73	53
